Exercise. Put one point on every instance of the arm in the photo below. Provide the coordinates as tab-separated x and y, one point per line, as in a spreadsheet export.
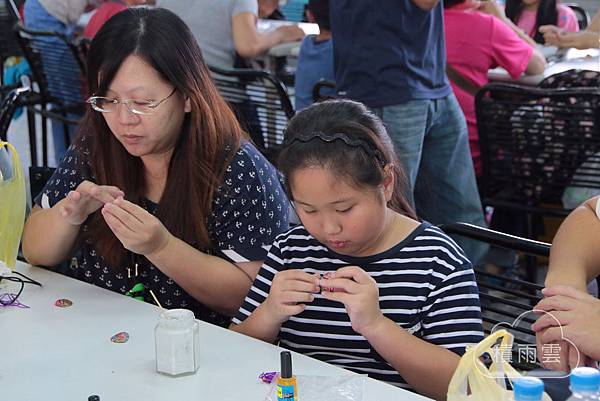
290	291
408	354
65	217
537	63
250	43
412	358
594	25
575	254
425	5
215	282
42	249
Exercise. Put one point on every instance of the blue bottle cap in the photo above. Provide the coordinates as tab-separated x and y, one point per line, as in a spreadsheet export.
528	389
585	380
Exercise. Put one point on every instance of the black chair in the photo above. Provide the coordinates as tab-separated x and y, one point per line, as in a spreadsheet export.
318	89
45	65
507	302
533	144
583	18
9	105
572	79
8	44
261	103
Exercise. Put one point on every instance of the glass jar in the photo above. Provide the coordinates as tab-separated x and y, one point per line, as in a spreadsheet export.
177	342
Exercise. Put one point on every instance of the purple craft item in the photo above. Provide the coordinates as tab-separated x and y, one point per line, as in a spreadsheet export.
8	299
267	377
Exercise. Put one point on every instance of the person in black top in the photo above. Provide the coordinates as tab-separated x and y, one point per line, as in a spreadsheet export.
161	191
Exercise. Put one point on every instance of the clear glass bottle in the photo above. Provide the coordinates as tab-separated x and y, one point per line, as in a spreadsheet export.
177	342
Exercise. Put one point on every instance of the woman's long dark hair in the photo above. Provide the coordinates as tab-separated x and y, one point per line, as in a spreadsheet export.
209	138
346	158
547	14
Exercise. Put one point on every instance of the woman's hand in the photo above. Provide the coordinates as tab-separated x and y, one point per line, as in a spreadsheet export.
571	315
358	291
580	40
290	291
85	200
139	231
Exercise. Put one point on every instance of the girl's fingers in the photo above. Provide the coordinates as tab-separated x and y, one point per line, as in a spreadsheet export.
299	286
355	273
294	297
341	284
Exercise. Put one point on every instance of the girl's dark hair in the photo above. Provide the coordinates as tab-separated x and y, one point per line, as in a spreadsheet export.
209	138
348	140
547	14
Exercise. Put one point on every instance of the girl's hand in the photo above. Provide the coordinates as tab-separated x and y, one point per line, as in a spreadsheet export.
358	291
290	291
85	200
139	231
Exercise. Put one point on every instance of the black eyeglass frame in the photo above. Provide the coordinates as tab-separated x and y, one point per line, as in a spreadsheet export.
15	279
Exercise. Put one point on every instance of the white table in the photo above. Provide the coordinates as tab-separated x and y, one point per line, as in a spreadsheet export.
65	354
286	49
572	59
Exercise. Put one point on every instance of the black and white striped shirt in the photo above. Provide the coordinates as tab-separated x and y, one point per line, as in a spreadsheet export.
426	285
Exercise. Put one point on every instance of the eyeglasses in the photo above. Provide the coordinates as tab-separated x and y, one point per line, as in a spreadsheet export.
10	299
136	106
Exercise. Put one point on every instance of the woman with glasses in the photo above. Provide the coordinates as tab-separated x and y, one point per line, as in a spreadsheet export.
161	191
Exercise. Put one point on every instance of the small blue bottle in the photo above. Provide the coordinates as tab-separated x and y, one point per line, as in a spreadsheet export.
585	383
528	389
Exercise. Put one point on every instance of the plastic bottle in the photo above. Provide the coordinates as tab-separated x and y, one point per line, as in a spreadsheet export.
286	382
585	383
528	389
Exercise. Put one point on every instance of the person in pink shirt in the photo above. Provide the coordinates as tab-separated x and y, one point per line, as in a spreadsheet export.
491	40
105	12
529	15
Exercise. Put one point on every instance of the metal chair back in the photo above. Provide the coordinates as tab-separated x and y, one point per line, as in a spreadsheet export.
261	103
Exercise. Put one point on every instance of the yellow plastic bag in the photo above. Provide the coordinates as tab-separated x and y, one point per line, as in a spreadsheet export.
12	205
483	383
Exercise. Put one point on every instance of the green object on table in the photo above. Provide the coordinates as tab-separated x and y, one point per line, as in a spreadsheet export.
137	292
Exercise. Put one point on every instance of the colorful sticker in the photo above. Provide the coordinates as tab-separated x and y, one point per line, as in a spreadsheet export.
120	338
63	303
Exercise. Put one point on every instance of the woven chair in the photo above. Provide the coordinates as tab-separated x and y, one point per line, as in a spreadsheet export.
583	18
572	79
505	302
261	104
533	141
59	84
8	106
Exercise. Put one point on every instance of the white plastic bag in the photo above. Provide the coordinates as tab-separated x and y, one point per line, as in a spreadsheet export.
318	388
473	381
12	205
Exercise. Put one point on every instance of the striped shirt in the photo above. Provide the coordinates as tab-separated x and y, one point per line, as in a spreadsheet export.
426	285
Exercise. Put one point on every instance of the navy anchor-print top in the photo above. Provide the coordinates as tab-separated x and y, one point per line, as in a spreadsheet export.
249	210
